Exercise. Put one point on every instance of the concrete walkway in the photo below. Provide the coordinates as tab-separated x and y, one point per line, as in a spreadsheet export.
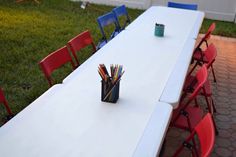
224	92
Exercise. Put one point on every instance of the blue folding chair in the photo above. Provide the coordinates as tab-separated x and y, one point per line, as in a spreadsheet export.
103	21
183	5
119	12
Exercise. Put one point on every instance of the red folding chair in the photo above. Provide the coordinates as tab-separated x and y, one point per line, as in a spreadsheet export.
209	58
206	37
5	103
199	54
54	61
79	42
204	130
186	116
188	88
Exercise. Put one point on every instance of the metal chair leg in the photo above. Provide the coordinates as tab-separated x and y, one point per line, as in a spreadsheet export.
213	72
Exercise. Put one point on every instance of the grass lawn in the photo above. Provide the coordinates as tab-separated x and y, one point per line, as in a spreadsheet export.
29	32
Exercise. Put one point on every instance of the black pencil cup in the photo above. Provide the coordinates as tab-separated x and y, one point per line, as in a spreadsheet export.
110	91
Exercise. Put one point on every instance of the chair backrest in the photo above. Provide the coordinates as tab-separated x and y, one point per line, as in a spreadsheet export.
201	78
207	36
209	31
183	5
54	61
4	101
105	20
121	11
205	131
79	42
210	54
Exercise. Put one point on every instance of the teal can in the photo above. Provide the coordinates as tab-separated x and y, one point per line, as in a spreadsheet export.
159	30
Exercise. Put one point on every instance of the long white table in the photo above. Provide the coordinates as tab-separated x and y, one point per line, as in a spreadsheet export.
74	122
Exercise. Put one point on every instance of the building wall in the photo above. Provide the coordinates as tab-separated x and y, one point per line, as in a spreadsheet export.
214	9
219	9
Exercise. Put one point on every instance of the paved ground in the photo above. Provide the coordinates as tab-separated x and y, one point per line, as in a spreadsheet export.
225	98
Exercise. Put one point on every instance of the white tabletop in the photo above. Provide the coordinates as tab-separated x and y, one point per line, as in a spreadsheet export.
74	122
168	56
55	131
174	86
180	23
181	30
154	133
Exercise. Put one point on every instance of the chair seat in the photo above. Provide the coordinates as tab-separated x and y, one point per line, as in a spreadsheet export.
207	86
195	116
202	137
198	56
188	83
115	33
102	43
